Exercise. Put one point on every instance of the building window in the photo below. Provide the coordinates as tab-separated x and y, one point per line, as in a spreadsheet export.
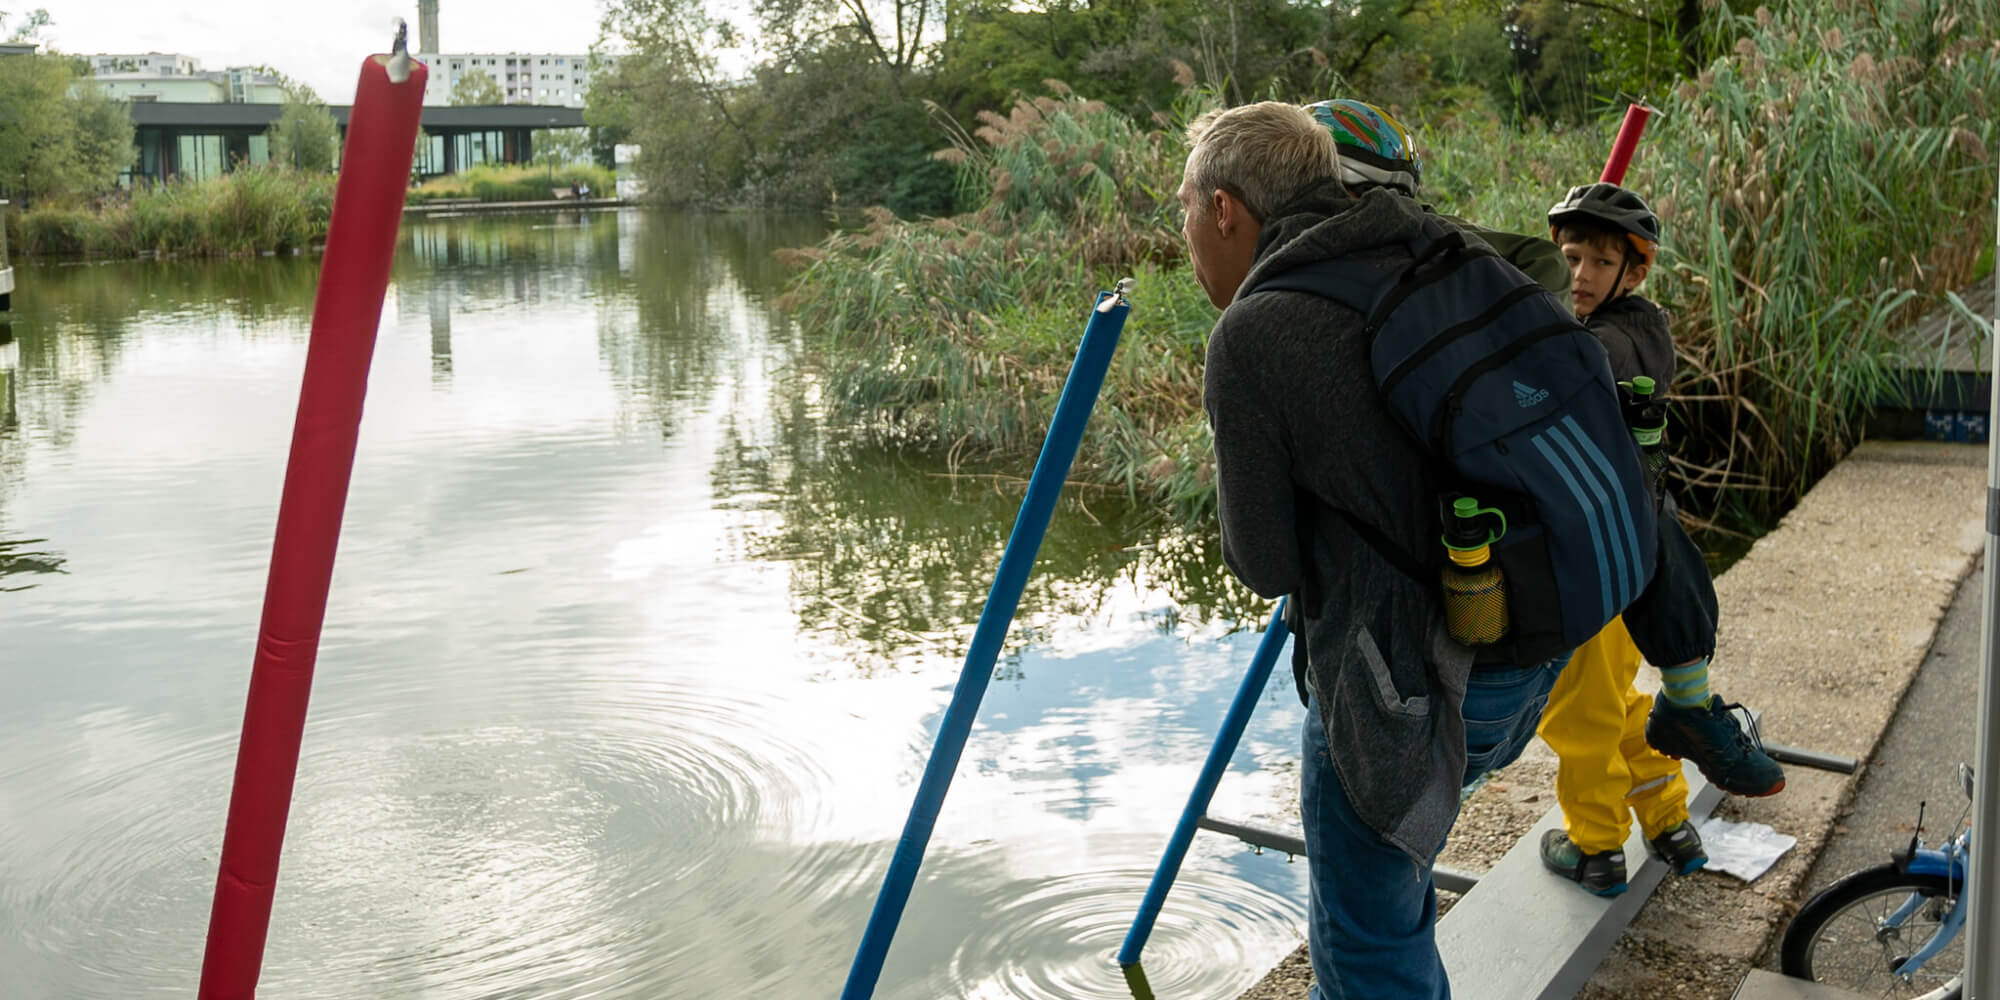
200	156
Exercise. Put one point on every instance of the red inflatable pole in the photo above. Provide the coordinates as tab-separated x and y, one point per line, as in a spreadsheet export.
1628	141
353	277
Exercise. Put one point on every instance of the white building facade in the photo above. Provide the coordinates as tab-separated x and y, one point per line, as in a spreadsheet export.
147	63
173	77
561	79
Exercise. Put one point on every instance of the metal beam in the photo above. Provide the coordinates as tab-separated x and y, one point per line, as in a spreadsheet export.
1447	878
1982	891
1811	758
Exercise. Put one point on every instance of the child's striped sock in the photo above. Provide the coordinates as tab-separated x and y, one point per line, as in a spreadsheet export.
1685	687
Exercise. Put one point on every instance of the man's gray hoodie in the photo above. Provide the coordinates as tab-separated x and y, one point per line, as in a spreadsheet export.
1294	408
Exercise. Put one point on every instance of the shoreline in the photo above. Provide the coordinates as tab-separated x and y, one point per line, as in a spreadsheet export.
451	207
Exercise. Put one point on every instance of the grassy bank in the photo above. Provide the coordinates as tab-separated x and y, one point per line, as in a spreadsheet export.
1820	184
522	183
249	211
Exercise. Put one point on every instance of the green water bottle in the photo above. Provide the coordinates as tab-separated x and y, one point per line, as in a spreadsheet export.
1475	593
1646	415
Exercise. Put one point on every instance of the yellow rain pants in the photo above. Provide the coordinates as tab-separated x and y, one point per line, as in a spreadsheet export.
1596	723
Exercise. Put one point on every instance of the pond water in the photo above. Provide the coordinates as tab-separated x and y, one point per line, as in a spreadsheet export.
631	661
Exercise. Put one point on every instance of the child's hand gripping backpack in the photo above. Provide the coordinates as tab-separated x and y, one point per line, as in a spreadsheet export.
1513	400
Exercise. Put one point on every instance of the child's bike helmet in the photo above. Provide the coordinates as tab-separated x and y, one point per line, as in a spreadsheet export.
1610	205
1375	148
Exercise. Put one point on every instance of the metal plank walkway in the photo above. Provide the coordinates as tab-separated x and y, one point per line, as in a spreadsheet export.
1524	934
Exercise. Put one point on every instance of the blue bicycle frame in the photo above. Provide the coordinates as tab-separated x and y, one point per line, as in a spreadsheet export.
1947	862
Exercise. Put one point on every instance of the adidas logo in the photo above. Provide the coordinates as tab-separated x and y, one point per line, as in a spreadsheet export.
1528	395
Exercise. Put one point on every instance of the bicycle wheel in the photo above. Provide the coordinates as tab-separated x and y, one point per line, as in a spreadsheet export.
1838	937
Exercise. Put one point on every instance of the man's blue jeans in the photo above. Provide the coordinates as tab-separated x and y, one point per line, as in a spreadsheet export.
1371	928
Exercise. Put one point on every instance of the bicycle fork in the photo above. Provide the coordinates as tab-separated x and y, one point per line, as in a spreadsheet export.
1949	863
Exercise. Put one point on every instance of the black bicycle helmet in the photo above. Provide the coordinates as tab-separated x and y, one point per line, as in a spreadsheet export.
1613	206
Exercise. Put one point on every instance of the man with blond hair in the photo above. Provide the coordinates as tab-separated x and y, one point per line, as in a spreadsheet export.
1316	482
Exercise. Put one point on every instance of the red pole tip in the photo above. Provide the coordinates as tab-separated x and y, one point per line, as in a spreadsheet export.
1627	143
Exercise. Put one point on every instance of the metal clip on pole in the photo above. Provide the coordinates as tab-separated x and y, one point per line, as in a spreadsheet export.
1117	297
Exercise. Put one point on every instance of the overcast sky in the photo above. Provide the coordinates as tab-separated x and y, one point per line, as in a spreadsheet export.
319	41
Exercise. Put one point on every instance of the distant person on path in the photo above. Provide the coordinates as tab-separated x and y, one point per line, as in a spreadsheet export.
1615	746
1299	422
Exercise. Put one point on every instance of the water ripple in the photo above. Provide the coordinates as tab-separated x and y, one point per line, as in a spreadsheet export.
543	858
1059	940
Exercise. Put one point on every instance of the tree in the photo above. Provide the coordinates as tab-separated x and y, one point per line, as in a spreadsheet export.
30	28
305	136
58	139
1574	55
477	88
668	96
896	32
560	147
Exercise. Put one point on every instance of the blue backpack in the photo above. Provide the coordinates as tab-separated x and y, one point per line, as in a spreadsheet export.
1512	398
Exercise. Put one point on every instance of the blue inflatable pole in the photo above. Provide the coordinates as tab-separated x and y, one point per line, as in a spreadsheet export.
1233	724
1079	395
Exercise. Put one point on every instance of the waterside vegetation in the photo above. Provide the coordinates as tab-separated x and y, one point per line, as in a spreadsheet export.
1825	176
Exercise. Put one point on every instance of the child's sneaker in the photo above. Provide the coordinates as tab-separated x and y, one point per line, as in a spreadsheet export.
1680	847
1601	874
1711	736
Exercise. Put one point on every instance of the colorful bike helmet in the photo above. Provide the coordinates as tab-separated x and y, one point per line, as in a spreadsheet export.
1375	148
1610	205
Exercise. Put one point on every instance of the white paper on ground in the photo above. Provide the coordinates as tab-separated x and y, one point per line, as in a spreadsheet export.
1745	850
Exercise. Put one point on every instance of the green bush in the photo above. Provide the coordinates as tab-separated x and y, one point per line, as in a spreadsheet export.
956	334
249	211
518	183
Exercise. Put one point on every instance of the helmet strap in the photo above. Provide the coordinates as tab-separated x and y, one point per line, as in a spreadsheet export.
1618	280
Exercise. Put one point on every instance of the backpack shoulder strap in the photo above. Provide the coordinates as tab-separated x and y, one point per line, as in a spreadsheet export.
1436	251
1395	555
1346	281
1316	517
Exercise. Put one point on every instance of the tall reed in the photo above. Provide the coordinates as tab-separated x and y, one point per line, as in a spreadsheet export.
248	211
1822	187
956	334
488	182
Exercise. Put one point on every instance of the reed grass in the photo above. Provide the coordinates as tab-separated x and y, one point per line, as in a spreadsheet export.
247	211
956	334
514	183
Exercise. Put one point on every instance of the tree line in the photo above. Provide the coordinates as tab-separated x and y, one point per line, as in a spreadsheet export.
838	102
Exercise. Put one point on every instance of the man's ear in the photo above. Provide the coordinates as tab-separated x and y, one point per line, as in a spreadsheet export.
1222	209
1230	213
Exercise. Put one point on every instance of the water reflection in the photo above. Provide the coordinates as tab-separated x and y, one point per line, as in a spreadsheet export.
897	552
601	708
18	558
